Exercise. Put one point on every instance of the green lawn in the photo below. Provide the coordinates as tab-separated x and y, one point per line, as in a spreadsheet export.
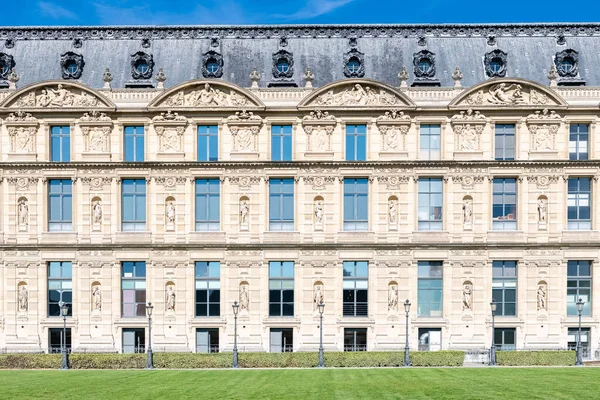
377	384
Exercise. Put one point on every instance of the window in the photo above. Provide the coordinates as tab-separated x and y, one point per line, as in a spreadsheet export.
71	67
281	289
424	65
356	283
505	339
566	65
207	340
283	66
208	289
356	207
212	66
133	288
355	339
353	65
60	143
356	142
208	211
579	204
578	142
142	67
430	204
55	338
281	204
208	143
504	143
60	287
282	340
134	340
579	286
430	339
134	143
504	287
430	142
585	341
134	204
504	207
281	143
429	289
496	65
60	204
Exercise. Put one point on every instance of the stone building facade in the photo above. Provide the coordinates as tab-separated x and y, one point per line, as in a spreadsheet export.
278	188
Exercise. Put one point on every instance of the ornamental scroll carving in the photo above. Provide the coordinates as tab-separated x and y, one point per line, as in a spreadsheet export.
543	126
244	127
468	127
205	95
319	125
394	126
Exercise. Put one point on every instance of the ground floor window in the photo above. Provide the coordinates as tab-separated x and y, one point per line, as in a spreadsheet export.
55	338
282	340
430	339
355	339
505	338
134	340
585	340
207	340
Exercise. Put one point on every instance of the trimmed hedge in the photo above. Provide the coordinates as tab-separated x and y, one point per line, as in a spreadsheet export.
519	358
223	360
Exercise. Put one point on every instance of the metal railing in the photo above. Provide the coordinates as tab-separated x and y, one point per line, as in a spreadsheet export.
357	347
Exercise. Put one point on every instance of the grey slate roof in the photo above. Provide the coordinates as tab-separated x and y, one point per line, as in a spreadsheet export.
386	48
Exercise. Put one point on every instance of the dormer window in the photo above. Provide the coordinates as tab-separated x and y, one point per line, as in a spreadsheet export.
495	63
4	68
72	65
212	65
283	66
424	68
353	65
424	65
566	66
142	67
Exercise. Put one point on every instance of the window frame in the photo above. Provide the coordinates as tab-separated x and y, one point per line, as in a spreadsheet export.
211	283
352	287
431	223
135	137
280	193
500	223
282	281
579	224
575	141
208	224
360	200
429	278
427	130
57	132
500	345
134	225
578	279
207	142
65	283
65	199
280	141
502	130
503	283
355	333
356	141
135	279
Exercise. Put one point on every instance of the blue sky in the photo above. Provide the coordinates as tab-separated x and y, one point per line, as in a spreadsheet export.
160	12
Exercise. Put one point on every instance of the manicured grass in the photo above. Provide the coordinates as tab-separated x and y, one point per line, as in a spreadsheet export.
377	384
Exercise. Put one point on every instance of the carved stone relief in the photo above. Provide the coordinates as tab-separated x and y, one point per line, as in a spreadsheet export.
543	126
467	296
169	138
207	96
468	127
318	295
542	296
394	127
318	126
509	94
22	213
22	139
23	298
392	296
170	298
358	96
96	297
96	138
244	297
96	212
57	96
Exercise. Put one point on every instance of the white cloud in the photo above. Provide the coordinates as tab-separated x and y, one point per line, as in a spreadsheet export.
315	8
55	11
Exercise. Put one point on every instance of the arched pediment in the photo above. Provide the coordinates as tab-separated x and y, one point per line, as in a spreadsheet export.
508	92
206	94
53	95
357	94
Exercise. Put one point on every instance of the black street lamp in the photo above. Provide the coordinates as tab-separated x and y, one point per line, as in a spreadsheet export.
64	310
493	306
149	309
406	347
321	307
579	361
236	307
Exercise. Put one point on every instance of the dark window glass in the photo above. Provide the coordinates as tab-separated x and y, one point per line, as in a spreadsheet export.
355	289
56	340
60	287
282	340
504	287
355	339
579	286
429	296
504	142
504	207
133	288
134	340
505	339
281	288
207	340
208	289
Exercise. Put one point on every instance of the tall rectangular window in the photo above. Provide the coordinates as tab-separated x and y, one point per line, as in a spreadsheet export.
579	213
505	339
60	143
356	142
208	289
430	142
208	204
134	340
430	204
356	204
60	204
60	287
355	339
282	340
134	143
578	142
356	283
281	289
585	341
133	288
504	216
208	143
207	340
56	339
504	287
281	204
504	142
429	295
134	204
579	286
281	143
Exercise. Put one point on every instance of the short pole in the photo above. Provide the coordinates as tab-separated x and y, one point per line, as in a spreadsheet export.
321	307
235	348
150	364
406	345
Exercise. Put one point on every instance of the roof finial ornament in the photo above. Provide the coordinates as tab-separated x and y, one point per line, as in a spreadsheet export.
13	78
308	77
403	76
254	78
457	75
553	75
161	77
107	77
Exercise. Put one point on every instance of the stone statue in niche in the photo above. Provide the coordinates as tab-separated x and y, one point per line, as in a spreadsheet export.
97	297
467	208
319	296
393	212
23	299
170	298
23	212
542	207
244	297
170	212
319	213
97	212
244	211
393	298
467	297
541	298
